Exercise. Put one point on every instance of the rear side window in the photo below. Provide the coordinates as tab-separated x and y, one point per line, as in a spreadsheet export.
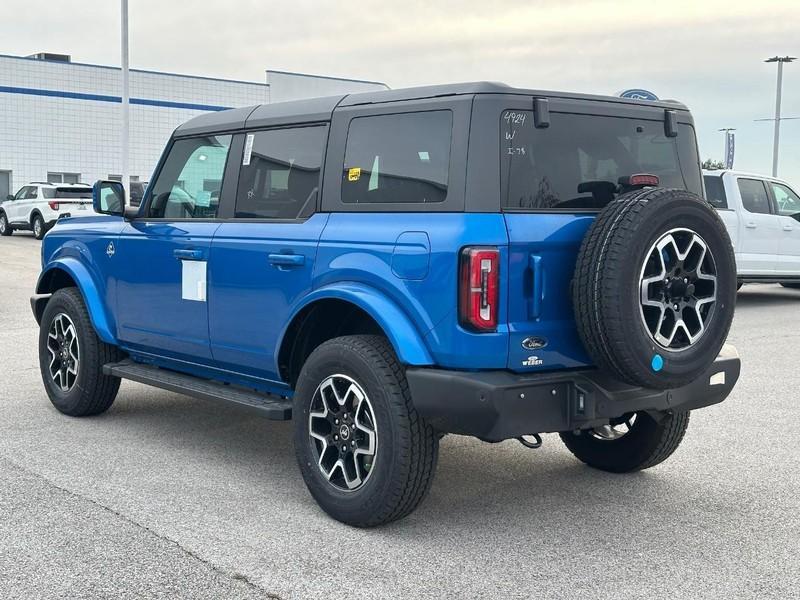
577	161
754	196
279	178
715	191
401	158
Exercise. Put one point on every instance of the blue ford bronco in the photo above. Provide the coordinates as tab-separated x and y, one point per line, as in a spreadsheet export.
391	266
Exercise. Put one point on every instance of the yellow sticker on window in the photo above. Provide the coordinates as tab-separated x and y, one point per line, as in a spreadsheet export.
354	174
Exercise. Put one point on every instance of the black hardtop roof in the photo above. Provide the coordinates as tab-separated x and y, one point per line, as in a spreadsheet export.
320	109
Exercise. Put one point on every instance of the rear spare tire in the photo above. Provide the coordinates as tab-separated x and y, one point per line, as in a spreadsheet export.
655	287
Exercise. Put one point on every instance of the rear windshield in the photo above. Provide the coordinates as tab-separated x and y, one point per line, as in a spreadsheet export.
576	162
715	191
67	193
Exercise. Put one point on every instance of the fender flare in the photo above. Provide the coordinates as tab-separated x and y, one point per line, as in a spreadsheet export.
408	344
95	305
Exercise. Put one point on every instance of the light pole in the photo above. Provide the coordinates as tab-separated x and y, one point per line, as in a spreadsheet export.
780	60
126	119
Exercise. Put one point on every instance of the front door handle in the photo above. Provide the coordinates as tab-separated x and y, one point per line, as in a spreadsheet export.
188	254
750	225
788	228
287	260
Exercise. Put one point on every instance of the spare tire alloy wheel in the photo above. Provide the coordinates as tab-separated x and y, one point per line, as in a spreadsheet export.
678	289
64	349
342	429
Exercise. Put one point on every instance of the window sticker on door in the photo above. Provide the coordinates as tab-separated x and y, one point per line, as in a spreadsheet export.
248	149
193	279
354	174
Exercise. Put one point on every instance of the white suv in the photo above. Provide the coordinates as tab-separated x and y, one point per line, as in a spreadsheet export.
37	206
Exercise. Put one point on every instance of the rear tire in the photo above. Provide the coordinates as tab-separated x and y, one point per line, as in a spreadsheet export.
37	225
5	226
647	443
71	358
362	370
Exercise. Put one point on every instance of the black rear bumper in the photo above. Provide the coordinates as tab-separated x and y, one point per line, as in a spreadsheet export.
498	405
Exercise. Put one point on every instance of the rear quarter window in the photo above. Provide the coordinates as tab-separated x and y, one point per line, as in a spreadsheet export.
399	158
576	162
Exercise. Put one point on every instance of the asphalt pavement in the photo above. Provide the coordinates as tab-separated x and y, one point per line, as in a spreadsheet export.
165	496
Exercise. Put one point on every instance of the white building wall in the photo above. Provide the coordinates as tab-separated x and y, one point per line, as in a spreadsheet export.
51	133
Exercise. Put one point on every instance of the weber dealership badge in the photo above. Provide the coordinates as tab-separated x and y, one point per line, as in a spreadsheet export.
534	343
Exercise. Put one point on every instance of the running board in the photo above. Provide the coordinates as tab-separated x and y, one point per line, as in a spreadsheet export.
269	406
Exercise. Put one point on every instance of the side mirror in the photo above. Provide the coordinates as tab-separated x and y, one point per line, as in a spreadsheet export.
108	197
10	197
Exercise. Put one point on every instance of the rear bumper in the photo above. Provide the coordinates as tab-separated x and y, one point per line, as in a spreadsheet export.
498	405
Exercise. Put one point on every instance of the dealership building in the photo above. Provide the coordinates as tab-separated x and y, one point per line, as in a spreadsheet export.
60	121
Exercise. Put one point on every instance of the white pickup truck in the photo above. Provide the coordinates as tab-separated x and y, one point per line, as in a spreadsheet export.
762	215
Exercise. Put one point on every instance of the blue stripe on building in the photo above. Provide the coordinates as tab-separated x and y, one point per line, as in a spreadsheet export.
102	98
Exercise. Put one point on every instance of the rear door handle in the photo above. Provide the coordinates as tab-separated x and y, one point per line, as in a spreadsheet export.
287	260
788	228
750	225
188	254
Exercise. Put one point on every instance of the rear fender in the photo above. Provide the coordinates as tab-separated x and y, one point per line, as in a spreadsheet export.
404	337
87	284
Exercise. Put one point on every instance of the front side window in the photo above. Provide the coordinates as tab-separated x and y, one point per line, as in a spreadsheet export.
715	191
787	201
754	196
578	160
22	193
279	178
398	159
189	183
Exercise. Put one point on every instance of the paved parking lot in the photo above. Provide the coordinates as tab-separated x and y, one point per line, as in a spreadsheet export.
166	496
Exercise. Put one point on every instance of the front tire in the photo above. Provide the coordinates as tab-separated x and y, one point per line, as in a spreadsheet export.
365	454
632	443
37	225
71	358
5	226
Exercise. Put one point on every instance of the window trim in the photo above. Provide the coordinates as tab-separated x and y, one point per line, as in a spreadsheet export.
767	191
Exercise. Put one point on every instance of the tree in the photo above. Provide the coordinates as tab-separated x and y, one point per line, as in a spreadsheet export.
710	164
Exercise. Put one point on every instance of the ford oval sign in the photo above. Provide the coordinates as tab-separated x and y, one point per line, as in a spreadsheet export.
534	343
638	94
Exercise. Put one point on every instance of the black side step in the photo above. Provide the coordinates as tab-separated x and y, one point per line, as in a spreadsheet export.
271	407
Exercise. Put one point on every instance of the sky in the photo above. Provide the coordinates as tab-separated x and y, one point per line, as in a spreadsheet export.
707	54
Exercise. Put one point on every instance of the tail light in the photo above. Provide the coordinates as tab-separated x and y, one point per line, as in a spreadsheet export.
53	205
478	288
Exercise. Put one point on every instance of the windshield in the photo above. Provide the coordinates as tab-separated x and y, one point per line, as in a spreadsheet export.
577	161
